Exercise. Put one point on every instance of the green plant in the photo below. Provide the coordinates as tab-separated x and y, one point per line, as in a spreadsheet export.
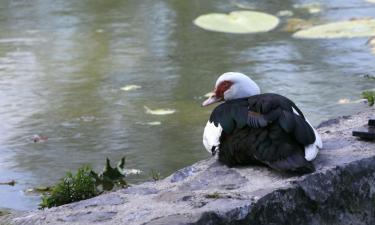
155	175
71	188
111	177
370	96
85	184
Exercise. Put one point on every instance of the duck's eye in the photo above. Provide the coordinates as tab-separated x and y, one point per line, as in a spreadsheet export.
227	84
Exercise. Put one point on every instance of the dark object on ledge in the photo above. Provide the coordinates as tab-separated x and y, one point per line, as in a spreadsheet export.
366	132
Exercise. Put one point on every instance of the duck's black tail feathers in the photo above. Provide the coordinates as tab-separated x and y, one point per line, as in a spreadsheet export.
293	163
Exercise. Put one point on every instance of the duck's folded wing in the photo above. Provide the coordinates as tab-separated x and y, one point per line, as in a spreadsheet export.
265	109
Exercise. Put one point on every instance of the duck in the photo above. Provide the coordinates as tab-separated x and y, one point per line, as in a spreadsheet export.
254	128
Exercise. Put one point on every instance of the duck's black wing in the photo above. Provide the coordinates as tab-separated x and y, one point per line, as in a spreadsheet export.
265	109
267	128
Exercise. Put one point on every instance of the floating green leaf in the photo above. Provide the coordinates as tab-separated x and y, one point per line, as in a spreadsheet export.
344	29
370	96
239	22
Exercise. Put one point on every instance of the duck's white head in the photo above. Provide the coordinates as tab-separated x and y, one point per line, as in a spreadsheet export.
232	85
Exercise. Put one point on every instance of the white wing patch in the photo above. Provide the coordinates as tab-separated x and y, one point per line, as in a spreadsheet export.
311	151
211	136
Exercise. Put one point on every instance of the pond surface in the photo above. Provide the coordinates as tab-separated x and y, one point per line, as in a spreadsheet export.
63	63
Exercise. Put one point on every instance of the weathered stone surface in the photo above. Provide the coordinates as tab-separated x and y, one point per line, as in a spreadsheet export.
341	191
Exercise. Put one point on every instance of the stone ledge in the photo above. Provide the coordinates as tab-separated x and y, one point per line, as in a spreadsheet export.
341	191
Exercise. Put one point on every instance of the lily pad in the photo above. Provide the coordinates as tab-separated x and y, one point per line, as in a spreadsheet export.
239	22
159	112
342	29
131	87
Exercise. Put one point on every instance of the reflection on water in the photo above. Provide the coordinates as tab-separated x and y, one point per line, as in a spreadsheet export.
63	64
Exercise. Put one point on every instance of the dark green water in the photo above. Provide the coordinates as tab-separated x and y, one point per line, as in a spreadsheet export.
62	64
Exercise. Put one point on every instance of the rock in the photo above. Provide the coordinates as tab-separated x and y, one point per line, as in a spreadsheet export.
341	191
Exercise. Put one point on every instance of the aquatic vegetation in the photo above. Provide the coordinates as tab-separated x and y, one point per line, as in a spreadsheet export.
343	29
85	184
239	22
369	95
159	112
131	87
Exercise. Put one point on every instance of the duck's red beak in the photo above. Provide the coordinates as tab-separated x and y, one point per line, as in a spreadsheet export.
211	100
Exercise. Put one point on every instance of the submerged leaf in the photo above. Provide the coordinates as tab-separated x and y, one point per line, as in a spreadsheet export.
239	22
245	4
311	7
342	29
131	87
159	111
285	13
152	123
